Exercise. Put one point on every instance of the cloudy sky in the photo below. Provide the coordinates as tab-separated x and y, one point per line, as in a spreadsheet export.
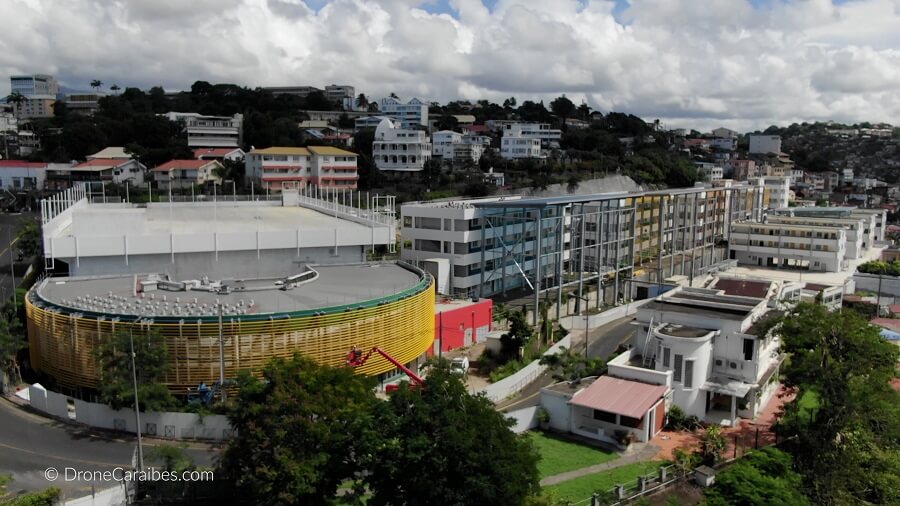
694	63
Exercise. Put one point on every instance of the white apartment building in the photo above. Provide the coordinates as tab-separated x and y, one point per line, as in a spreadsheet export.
549	137
8	122
709	171
210	131
816	248
727	144
399	149
277	168
442	143
854	228
520	147
412	114
702	344
765	144
19	175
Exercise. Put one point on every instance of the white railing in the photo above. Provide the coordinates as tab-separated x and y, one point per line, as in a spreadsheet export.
340	204
54	205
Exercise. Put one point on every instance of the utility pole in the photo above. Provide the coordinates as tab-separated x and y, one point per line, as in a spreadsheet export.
12	265
137	407
221	354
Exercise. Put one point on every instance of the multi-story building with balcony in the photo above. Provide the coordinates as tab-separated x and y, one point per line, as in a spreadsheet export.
276	168
411	115
520	147
548	136
442	143
703	344
83	103
210	131
812	247
337	93
459	148
400	149
505	245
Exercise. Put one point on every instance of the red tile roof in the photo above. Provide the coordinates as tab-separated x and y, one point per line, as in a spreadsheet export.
886	323
182	164
476	128
22	164
895	308
213	152
103	162
615	395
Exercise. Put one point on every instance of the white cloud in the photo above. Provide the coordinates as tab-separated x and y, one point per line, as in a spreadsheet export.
688	63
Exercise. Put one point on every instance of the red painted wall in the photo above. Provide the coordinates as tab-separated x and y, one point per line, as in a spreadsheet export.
660	417
450	324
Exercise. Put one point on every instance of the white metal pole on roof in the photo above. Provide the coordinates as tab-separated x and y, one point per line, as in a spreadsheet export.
251	190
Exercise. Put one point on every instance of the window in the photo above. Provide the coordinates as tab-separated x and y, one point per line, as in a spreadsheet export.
407	221
678	364
604	416
688	374
748	349
666	355
627	421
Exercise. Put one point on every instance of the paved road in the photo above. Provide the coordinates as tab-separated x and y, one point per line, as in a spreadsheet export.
30	443
602	343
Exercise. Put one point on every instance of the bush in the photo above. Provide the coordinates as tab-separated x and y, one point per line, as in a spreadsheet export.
675	418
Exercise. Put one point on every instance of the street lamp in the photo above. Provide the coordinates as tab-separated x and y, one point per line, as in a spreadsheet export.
586	321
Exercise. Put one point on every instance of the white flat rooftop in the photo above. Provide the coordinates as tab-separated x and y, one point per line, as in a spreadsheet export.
105	220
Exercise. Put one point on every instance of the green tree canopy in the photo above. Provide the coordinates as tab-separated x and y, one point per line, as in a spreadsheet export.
848	448
301	431
442	445
762	478
150	363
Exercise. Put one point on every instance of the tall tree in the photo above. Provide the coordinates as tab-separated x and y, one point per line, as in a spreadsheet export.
562	107
301	431
12	340
115	88
116	380
16	99
362	103
442	445
848	448
96	84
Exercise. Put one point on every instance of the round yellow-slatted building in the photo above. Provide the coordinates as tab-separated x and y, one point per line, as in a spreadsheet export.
322	313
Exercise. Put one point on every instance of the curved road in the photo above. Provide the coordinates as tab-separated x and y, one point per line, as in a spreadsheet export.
30	443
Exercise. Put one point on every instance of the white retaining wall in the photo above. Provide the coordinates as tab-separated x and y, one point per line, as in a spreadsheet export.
526	419
166	425
513	383
113	496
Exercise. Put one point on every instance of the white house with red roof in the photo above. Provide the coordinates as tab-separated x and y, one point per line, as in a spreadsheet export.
184	173
233	154
116	170
19	174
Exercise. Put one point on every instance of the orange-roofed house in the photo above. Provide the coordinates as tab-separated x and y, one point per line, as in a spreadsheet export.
185	173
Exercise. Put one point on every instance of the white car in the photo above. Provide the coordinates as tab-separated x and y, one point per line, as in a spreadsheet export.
459	365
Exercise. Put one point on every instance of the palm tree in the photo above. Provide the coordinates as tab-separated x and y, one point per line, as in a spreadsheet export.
115	88
362	103
17	99
96	84
394	95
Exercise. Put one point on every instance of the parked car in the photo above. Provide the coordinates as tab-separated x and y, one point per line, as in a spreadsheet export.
459	365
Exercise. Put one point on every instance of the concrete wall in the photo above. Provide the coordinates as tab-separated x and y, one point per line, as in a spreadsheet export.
557	405
526	419
113	496
249	264
512	384
165	425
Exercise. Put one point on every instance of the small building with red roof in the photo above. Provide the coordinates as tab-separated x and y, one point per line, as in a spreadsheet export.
178	174
116	170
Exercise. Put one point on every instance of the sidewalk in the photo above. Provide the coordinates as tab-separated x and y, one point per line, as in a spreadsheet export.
644	454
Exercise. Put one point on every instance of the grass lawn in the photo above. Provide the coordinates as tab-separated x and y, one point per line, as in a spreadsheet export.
582	488
808	403
559	456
